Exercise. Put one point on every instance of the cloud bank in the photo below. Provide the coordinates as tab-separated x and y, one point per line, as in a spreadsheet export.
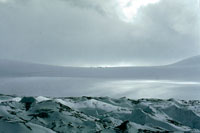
87	32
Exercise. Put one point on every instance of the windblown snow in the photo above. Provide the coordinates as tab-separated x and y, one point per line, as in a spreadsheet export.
97	114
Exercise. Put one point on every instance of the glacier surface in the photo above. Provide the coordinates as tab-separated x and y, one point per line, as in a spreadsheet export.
97	114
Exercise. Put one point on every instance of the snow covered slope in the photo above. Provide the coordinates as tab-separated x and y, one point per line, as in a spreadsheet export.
170	81
192	61
184	70
96	114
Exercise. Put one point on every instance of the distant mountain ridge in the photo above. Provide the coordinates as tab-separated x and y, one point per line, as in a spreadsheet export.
192	61
178	71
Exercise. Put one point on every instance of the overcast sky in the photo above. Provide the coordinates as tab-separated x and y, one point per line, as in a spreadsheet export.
99	32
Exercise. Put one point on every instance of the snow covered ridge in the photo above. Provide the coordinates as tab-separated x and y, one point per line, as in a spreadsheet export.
96	115
184	70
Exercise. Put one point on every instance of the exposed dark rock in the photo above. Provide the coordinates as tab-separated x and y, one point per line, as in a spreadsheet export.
28	101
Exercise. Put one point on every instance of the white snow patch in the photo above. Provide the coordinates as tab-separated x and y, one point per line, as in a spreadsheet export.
41	98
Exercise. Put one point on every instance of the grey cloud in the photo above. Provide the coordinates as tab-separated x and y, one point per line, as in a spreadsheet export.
98	5
80	32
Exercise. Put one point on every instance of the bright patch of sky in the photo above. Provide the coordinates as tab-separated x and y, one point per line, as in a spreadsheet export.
3	1
129	8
